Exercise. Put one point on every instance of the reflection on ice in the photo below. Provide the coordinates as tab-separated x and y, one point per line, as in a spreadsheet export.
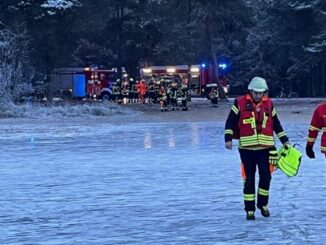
195	137
171	139
148	140
177	135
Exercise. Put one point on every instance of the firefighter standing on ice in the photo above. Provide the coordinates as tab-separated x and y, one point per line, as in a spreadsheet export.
252	120
318	122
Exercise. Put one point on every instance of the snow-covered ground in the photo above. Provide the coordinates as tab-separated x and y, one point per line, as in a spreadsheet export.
88	182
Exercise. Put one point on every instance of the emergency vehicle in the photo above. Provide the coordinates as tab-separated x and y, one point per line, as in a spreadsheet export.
203	79
196	77
89	82
167	74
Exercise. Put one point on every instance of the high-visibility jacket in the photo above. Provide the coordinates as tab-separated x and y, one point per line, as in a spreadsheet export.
318	123
253	123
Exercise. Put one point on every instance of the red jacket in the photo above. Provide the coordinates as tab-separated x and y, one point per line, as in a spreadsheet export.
255	123
318	123
265	120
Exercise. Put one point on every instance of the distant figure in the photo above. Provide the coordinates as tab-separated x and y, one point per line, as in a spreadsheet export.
163	99
91	87
151	92
125	92
132	91
142	89
184	92
174	96
253	120
213	95
318	122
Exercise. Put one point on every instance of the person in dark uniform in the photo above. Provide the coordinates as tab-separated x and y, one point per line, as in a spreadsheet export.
174	96
132	86
184	92
253	121
213	95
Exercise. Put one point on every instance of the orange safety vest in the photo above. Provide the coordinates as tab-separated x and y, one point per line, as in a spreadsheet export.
255	124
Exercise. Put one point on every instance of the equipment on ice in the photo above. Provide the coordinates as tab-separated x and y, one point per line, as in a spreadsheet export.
289	160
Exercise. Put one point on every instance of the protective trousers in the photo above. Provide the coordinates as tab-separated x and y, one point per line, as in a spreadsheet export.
250	159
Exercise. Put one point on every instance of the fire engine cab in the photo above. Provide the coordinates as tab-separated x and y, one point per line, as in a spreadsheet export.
88	82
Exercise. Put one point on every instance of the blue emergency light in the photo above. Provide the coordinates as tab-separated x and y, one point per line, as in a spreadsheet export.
223	66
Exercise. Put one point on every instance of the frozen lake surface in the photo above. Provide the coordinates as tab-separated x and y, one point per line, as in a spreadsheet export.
150	183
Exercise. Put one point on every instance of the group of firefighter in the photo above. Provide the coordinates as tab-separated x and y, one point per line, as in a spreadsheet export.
171	95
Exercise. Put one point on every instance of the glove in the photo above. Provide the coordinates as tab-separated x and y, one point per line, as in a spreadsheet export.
228	145
273	157
286	145
309	151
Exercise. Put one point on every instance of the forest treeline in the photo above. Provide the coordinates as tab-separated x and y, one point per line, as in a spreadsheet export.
283	41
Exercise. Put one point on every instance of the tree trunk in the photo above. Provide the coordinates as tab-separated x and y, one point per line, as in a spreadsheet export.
119	9
322	80
208	29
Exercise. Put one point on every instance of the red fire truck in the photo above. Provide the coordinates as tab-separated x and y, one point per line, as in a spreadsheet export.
88	82
198	78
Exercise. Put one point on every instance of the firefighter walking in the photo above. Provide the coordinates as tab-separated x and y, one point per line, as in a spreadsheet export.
318	123
252	120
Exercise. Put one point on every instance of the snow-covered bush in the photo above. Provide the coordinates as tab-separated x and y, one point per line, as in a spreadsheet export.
59	4
14	64
36	110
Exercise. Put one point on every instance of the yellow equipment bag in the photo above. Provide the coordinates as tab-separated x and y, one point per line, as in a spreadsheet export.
289	160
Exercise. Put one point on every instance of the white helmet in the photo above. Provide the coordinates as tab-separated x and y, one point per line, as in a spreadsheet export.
258	84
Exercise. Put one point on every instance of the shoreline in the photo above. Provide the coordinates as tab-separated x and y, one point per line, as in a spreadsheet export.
200	110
